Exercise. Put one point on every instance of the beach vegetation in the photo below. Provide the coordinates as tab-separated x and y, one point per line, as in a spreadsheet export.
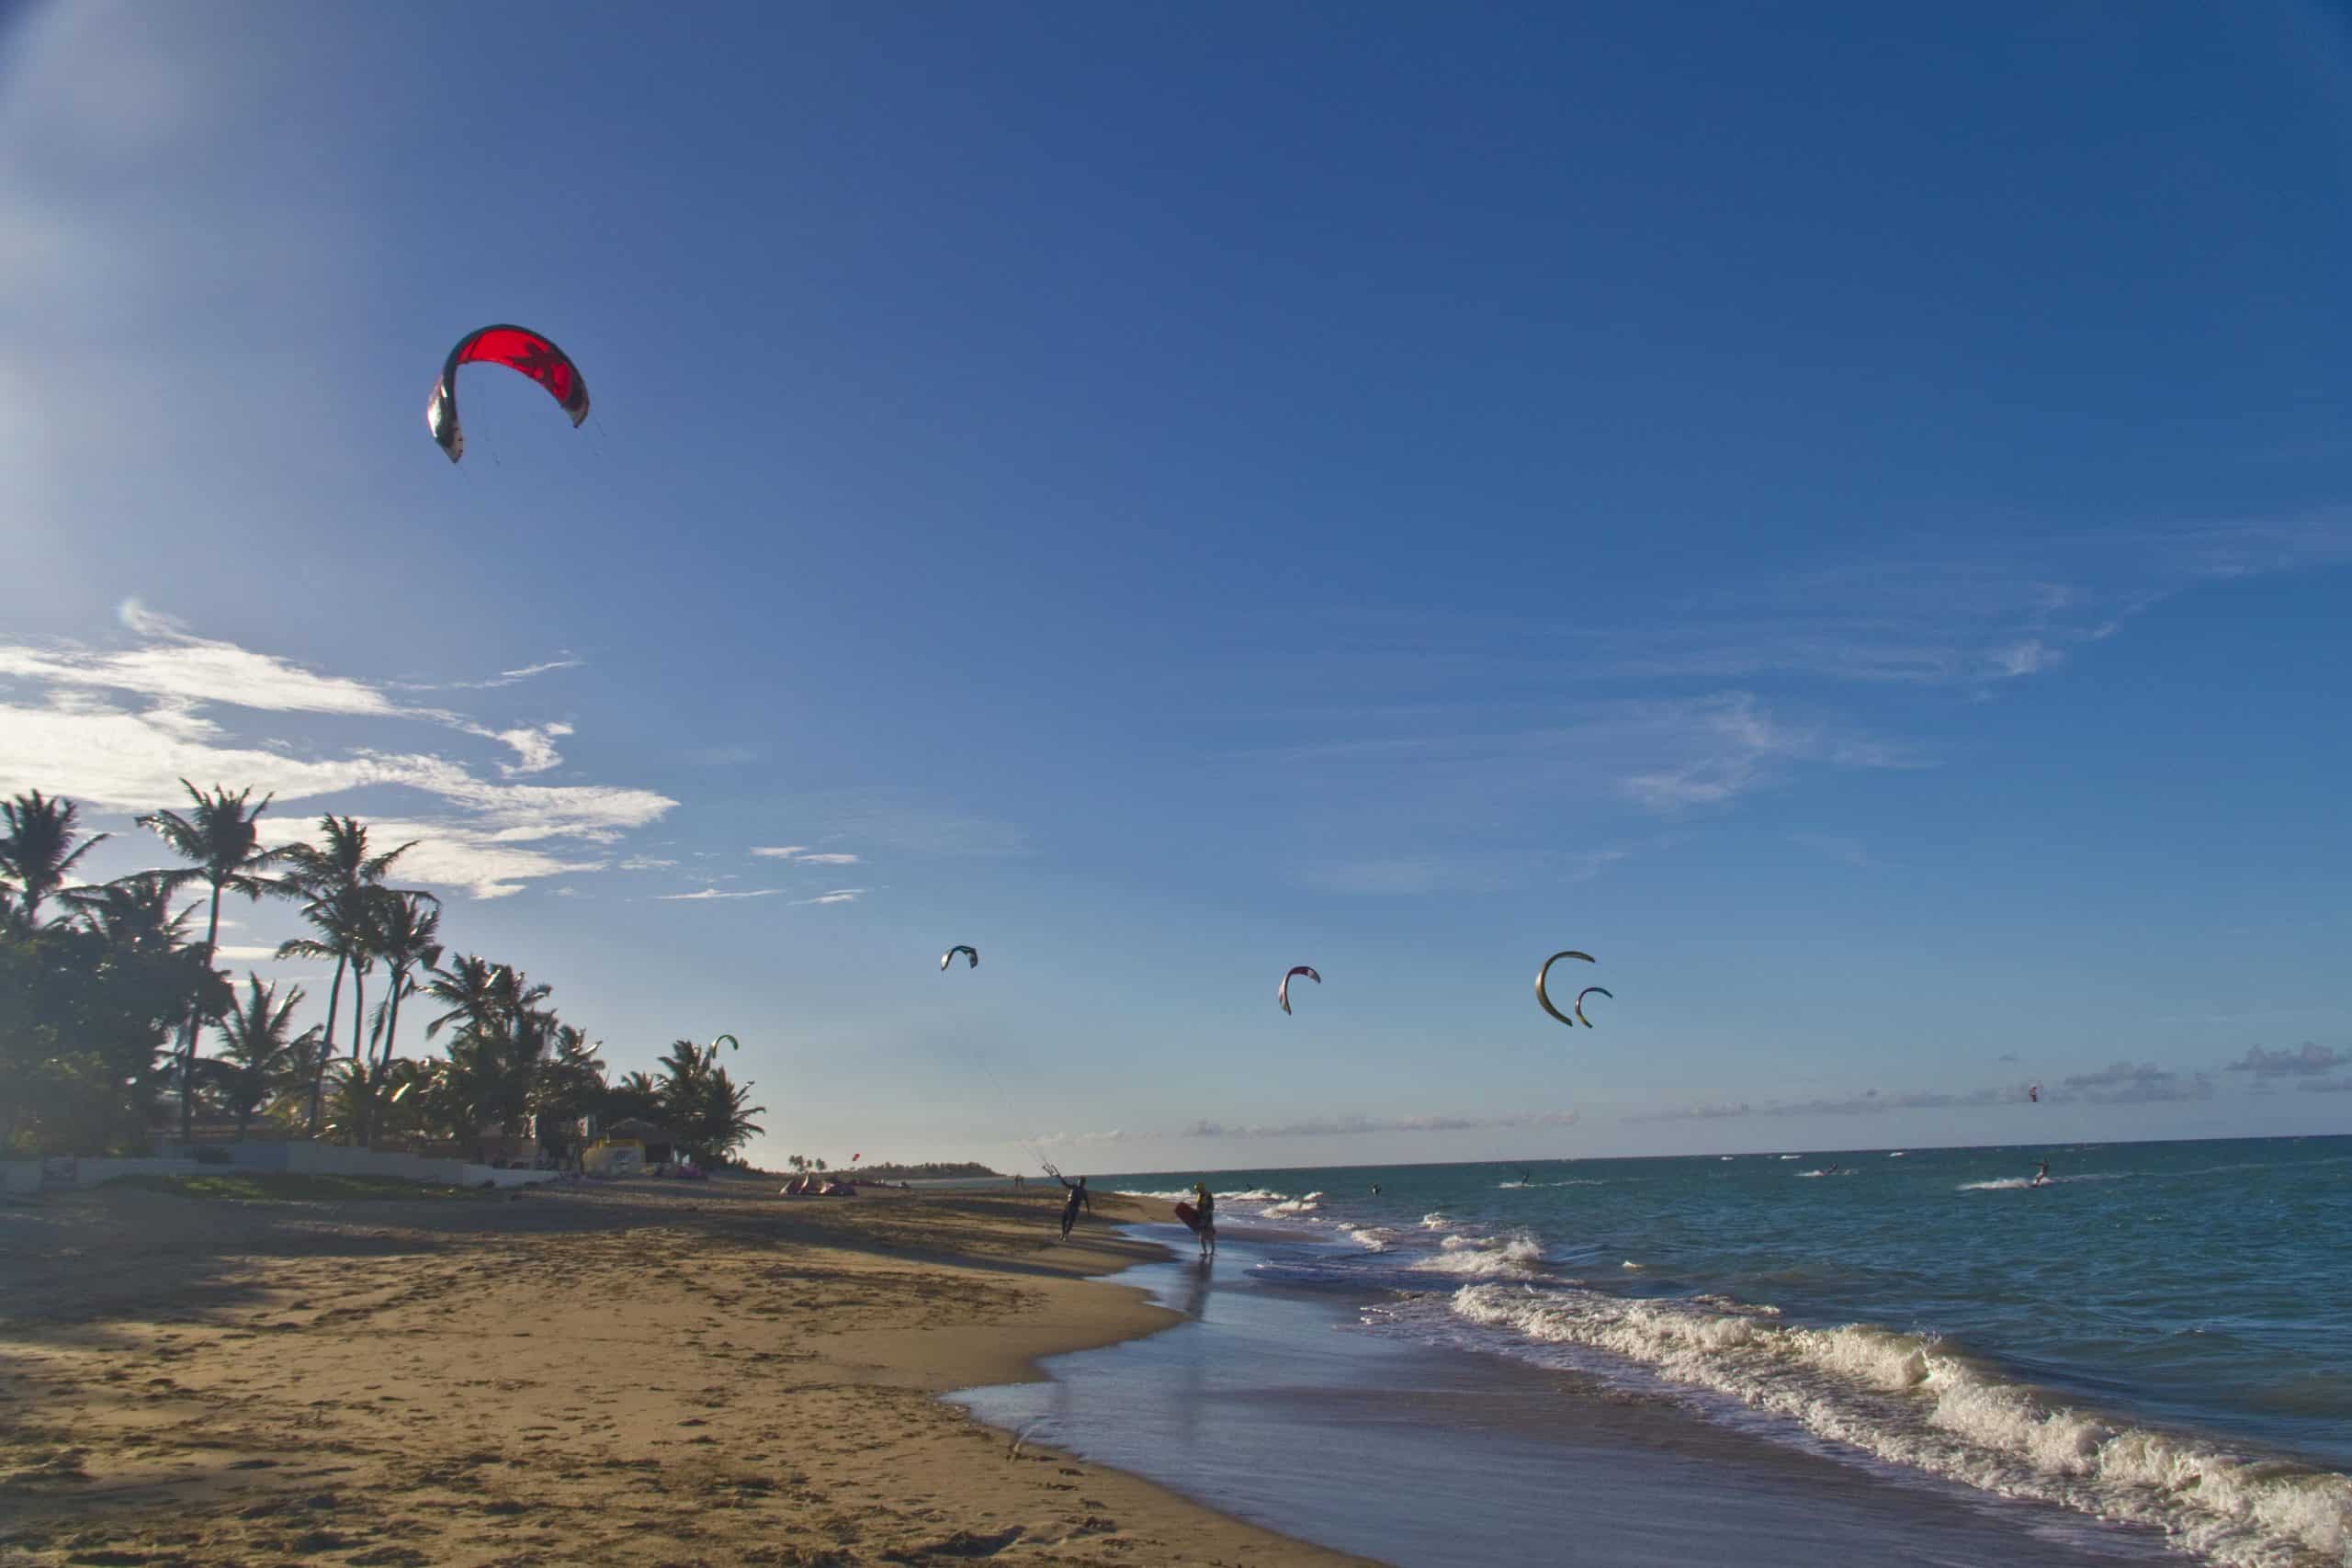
106	999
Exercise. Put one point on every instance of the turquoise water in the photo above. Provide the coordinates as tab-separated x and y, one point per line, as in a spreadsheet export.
2162	1336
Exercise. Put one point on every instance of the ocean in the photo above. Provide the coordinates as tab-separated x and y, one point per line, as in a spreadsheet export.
1888	1355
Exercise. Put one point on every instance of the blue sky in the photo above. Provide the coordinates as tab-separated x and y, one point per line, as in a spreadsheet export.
1845	516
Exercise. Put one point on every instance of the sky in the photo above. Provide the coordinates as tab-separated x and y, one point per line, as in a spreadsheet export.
1842	513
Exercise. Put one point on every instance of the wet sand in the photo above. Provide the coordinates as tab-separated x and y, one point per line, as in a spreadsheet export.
1271	1403
653	1373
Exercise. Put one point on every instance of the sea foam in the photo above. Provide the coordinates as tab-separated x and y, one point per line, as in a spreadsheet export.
1906	1399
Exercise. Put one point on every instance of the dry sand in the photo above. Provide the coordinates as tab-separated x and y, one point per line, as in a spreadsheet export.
647	1373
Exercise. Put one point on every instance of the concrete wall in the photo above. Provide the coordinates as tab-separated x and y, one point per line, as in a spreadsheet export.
312	1159
24	1175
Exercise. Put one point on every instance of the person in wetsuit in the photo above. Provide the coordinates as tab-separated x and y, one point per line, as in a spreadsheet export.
1078	1195
1205	1203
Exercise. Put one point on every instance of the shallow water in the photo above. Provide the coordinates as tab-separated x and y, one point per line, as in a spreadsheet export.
1268	1405
2160	1339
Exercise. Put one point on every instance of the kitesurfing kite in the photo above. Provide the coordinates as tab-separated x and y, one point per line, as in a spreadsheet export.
518	348
1282	992
971	955
712	1054
1543	998
1589	991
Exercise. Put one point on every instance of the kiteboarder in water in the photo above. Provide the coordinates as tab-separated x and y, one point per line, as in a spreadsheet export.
2041	1176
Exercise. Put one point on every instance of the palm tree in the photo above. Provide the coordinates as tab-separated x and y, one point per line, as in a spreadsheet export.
255	1050
402	937
133	912
39	850
341	916
335	875
516	998
470	989
569	1085
218	835
726	1118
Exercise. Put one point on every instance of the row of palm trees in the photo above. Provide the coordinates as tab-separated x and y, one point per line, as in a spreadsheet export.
508	1060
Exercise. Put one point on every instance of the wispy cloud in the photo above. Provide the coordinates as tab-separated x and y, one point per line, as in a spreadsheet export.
1837	846
902	820
2142	1083
1353	1126
1077	1140
118	728
503	678
800	854
1866	1102
708	895
838	895
646	863
2310	1060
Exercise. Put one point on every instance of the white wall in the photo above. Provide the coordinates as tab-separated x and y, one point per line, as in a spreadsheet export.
310	1159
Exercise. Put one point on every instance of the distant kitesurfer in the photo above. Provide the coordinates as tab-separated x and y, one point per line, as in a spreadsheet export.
1376	1191
2041	1176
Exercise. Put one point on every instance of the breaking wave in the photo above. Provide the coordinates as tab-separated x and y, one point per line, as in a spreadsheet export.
1516	1257
1911	1400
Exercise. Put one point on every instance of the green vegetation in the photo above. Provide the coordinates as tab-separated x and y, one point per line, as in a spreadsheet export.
930	1171
291	1187
105	1003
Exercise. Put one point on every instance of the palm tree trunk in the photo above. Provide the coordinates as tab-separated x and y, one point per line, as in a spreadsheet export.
326	1051
393	1023
358	1045
187	1046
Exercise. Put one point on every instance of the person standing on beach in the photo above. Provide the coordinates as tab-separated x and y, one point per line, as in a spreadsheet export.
1206	1209
1078	1195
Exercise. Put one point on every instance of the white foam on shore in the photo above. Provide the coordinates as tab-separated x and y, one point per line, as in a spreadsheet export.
1516	1257
1372	1239
1908	1400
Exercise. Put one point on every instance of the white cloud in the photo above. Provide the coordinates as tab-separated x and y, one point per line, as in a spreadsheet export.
503	678
708	893
838	895
646	863
800	854
118	730
533	747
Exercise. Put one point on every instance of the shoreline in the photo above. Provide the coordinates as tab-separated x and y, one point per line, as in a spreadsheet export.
715	1372
1263	1400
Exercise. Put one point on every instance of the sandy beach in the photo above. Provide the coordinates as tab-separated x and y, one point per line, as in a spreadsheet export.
659	1374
